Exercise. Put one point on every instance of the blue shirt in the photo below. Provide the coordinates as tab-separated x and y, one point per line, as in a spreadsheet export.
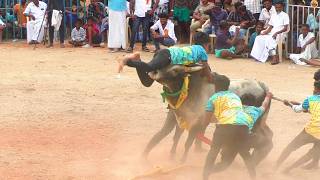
188	55
216	17
227	108
252	38
254	114
117	5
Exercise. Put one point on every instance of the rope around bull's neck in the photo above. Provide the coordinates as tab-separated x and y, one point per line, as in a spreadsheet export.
182	94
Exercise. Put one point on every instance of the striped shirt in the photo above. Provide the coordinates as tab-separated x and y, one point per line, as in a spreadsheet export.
78	35
253	5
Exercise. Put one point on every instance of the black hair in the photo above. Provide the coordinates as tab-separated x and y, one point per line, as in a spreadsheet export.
92	18
267	1
248	99
223	25
305	25
279	2
259	23
237	5
163	15
316	75
221	82
317	85
79	21
242	8
201	38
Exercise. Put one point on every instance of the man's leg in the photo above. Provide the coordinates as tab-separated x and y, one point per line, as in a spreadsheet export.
217	140
134	31
227	54
302	139
1	29
315	151
168	126
312	62
62	32
156	42
51	30
90	35
145	27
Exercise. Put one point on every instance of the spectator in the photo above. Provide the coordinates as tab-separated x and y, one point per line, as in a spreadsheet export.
117	24
241	17
78	35
164	7
35	27
165	34
307	46
18	10
259	28
55	9
217	14
96	10
199	16
93	33
266	12
141	12
2	26
228	6
181	13
254	7
265	44
225	45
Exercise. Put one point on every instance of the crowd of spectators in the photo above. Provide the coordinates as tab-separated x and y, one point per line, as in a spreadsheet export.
241	28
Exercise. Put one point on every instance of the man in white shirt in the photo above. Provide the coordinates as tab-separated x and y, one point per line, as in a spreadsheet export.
141	12
266	43
308	48
266	12
36	11
165	34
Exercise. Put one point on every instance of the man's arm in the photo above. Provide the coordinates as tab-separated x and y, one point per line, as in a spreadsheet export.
131	6
285	28
267	100
234	40
307	43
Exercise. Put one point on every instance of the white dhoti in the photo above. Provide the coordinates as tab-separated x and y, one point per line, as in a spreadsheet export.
33	30
262	46
117	32
310	52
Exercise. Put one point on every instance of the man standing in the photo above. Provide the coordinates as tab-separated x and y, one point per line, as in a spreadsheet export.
117	24
56	9
141	12
36	11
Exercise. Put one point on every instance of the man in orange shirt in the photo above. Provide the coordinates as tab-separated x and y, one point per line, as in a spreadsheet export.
18	10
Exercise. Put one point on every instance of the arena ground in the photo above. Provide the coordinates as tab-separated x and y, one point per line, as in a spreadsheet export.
64	114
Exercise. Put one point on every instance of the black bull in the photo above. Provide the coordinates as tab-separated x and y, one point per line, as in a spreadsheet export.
192	109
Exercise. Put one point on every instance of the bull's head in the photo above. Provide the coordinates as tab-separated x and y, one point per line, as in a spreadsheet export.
172	76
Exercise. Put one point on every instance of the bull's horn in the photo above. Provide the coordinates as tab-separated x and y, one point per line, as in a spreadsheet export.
193	69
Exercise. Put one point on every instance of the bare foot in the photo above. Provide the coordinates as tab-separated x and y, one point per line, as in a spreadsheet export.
122	62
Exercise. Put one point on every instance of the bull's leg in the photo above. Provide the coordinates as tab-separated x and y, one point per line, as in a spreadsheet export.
198	143
197	128
262	145
176	139
168	126
247	158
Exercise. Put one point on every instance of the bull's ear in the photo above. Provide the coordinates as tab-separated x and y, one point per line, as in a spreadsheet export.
193	69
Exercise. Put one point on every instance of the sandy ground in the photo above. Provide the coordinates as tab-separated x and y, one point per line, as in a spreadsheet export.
64	114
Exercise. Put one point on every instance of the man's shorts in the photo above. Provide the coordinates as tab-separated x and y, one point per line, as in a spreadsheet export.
218	52
181	14
96	39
